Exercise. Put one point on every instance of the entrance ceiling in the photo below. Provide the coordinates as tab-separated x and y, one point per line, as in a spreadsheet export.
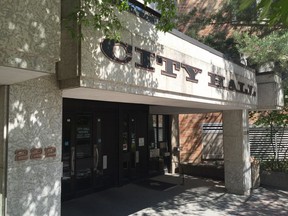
9	75
162	105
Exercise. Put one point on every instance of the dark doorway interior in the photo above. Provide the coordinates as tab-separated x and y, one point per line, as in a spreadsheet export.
133	139
159	145
104	144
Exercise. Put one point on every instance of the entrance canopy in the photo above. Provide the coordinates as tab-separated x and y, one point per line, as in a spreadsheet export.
152	67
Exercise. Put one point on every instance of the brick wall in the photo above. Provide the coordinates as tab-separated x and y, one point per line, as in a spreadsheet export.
190	126
201	9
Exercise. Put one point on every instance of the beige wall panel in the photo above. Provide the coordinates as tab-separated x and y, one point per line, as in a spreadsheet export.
30	34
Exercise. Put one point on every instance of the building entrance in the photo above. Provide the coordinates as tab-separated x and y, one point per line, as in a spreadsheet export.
89	153
104	145
133	144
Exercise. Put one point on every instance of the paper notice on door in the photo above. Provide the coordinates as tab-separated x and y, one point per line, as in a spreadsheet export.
104	161
141	141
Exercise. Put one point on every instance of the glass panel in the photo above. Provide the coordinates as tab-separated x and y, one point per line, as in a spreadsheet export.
154	120
83	130
83	168
160	121
84	151
83	137
155	137
125	135
160	134
83	173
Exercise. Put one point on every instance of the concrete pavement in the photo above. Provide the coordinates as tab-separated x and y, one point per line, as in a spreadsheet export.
196	197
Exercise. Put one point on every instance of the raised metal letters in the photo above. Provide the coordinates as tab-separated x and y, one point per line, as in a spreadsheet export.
108	48
35	153
170	66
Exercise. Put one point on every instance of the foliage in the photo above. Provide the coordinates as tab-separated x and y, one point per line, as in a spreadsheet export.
233	17
262	43
168	14
198	19
221	24
103	15
275	165
271	11
261	50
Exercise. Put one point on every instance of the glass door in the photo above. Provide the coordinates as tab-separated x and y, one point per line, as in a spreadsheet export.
89	147
67	179
82	152
77	154
130	155
159	145
133	148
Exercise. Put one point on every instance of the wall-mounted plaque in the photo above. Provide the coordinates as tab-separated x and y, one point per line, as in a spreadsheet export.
104	161
141	141
83	133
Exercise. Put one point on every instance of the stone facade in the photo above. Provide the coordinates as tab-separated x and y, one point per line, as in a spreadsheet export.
236	151
192	77
35	129
30	108
30	34
33	108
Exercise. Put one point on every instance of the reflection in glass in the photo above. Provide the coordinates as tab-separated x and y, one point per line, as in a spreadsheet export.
160	120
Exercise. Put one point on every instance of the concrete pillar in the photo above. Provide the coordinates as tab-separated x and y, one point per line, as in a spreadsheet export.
34	167
236	152
174	119
3	145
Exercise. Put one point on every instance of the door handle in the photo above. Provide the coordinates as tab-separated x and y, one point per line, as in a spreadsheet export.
72	160
96	157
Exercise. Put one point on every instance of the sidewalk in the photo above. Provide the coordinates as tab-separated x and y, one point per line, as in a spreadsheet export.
195	197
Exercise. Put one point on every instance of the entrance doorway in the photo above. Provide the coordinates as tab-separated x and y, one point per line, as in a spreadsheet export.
159	145
133	143
104	145
89	153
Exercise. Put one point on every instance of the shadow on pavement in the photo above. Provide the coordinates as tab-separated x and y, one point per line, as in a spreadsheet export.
196	197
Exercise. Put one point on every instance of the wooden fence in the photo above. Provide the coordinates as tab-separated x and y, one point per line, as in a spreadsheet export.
268	144
264	143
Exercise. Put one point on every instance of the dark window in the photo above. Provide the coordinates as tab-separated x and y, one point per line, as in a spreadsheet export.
159	131
144	12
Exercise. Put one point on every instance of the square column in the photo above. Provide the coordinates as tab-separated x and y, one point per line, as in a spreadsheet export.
34	167
237	164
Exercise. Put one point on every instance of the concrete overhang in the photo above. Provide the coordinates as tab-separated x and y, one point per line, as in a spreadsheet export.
154	68
10	75
160	104
270	91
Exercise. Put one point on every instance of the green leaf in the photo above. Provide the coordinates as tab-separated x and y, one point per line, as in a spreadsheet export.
245	4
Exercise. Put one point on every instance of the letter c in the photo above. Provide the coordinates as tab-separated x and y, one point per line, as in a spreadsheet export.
108	48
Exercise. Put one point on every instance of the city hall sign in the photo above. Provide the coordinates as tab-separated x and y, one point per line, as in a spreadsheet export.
109	48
